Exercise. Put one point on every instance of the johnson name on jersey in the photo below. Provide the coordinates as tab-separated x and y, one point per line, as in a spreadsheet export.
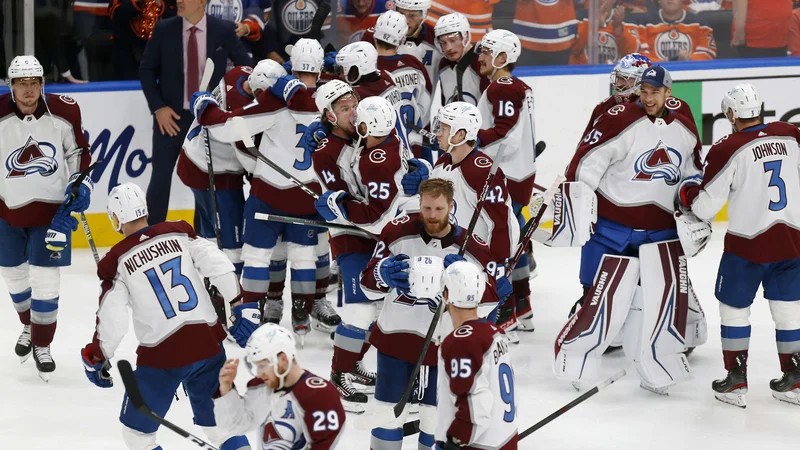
307	415
477	400
756	172
40	151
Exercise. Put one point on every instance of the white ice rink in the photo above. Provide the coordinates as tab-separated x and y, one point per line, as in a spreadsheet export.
71	413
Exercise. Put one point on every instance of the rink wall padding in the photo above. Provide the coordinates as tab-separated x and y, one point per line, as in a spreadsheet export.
119	125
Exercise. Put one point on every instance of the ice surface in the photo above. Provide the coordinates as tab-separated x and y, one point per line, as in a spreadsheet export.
71	413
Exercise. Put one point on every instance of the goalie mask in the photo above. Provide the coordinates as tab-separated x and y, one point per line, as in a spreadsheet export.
627	74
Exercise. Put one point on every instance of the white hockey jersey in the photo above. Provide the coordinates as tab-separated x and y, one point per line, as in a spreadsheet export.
477	399
412	81
423	47
635	163
307	415
755	171
40	151
446	90
158	273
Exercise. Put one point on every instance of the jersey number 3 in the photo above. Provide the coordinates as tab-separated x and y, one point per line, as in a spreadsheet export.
178	279
775	180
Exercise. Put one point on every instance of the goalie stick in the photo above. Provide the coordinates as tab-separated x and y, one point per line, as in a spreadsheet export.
137	401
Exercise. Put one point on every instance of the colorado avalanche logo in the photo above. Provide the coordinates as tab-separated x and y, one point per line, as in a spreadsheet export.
225	9
669	44
453	218
33	157
273	435
297	16
661	162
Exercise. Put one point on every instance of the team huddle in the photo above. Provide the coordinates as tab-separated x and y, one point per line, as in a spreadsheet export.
398	169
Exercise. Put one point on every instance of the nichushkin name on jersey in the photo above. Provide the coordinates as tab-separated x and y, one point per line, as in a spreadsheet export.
150	253
769	149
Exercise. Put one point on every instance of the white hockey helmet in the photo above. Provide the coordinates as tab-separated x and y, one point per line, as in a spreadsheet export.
425	276
459	116
629	66
501	41
264	75
743	100
414	5
126	203
378	114
267	343
452	23
329	92
391	28
25	66
361	55
306	55
465	284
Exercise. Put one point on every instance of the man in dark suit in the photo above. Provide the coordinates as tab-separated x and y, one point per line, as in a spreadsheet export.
170	71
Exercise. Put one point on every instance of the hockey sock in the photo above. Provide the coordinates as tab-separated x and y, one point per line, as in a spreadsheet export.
735	341
303	285
323	275
348	344
386	439
237	268
425	441
255	282
43	315
22	304
788	344
277	279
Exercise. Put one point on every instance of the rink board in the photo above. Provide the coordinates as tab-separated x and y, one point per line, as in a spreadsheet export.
119	126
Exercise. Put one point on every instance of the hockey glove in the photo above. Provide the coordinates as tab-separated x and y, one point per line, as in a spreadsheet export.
96	371
329	205
688	190
247	317
418	171
451	444
504	288
287	66
392	272
61	227
329	63
313	136
451	258
286	86
201	100
80	201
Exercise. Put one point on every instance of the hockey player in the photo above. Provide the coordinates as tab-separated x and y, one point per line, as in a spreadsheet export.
508	136
420	38
44	148
634	159
368	194
477	401
406	267
157	271
762	246
288	405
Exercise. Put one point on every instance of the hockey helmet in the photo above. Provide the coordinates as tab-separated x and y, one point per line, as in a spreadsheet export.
25	66
264	75
425	276
126	203
501	41
378	114
306	55
414	5
331	91
391	28
459	116
631	66
743	100
267	343
452	23
361	55
465	284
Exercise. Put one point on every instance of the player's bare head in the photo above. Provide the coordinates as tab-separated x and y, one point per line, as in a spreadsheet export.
742	106
435	204
457	124
25	76
656	87
191	8
670	6
452	35
127	208
271	354
415	12
498	49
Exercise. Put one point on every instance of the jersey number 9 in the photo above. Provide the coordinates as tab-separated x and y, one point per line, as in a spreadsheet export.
506	378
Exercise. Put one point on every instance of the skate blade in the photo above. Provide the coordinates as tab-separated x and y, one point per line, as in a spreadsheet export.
526	326
45	376
22	359
319	326
663	391
577	385
511	337
732	398
353	407
792	397
363	388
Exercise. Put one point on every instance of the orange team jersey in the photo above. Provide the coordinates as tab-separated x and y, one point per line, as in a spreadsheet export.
612	46
545	25
644	4
663	41
478	13
351	25
767	23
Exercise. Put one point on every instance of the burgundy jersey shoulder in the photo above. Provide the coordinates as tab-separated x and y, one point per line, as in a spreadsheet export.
316	393
67	108
476	247
507	88
475	169
375	88
369	36
619	117
303	101
680	107
107	268
472	339
400	227
6	105
330	147
426	35
236	96
387	152
726	147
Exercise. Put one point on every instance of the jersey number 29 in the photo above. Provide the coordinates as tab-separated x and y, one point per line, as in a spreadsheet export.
178	279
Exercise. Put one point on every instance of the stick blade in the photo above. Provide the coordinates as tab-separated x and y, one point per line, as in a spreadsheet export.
131	386
240	126
207	74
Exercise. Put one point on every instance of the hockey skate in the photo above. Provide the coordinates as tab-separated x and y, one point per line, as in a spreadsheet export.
787	387
325	317
301	322
23	347
352	400
44	362
272	311
507	321
363	377
525	314
733	387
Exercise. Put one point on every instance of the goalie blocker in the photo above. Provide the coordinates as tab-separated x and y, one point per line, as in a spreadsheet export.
650	300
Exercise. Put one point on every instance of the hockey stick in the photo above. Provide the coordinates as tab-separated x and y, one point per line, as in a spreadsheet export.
535	221
135	398
310	223
73	194
572	404
318	21
204	82
541	146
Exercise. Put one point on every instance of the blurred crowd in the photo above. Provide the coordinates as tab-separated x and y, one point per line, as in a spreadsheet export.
79	40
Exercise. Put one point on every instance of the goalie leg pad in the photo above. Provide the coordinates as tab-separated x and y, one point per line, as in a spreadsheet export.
574	215
655	334
589	332
696	325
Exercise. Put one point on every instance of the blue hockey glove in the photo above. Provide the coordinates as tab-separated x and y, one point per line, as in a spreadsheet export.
247	317
329	62
504	288
96	371
80	202
313	136
451	258
329	205
201	100
392	272
286	86
61	227
287	66
418	171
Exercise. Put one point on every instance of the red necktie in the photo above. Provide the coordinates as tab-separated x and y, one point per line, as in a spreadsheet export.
192	66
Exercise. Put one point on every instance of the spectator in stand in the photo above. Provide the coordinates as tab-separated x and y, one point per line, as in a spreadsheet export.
56	44
761	27
547	31
355	16
291	21
90	16
673	34
794	30
615	38
172	63
247	15
132	24
478	13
